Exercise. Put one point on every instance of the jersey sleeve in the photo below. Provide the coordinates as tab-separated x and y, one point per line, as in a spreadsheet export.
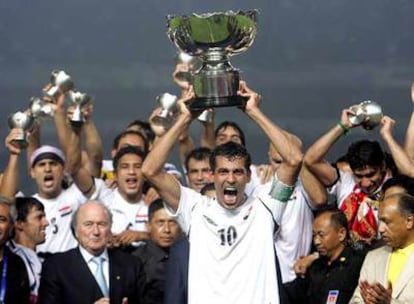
189	200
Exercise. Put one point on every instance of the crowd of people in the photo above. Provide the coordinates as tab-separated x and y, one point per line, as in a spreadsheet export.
137	229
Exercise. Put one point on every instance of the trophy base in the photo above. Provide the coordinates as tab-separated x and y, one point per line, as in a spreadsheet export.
202	103
76	123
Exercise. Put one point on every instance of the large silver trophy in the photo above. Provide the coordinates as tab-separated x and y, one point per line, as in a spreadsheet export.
368	114
214	37
23	121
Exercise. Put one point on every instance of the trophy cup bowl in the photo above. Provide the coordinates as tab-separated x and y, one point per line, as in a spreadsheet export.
214	37
368	114
193	64
167	102
60	80
40	109
21	120
79	100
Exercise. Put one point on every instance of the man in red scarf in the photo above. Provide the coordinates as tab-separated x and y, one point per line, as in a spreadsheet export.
356	193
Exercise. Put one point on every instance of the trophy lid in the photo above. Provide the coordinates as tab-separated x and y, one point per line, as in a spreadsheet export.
197	33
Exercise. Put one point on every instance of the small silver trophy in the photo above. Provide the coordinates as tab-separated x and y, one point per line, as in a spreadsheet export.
214	37
23	121
79	100
168	103
193	64
206	116
60	80
368	114
39	108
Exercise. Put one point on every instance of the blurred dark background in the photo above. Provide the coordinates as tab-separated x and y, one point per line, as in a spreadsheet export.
310	60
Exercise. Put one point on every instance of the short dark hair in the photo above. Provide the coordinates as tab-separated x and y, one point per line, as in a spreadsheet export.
25	204
226	124
403	181
337	218
145	127
154	207
198	154
365	153
231	151
405	203
207	187
115	144
127	150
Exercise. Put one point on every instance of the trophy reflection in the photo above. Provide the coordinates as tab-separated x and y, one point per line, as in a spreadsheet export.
23	121
368	114
79	100
60	81
214	37
167	103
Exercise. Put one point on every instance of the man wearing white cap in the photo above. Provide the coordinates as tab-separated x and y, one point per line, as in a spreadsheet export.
47	169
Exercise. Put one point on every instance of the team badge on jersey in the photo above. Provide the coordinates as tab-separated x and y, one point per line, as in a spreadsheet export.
65	210
141	218
332	297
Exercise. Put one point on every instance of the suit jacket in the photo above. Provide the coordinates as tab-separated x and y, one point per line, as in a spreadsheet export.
375	269
177	273
66	278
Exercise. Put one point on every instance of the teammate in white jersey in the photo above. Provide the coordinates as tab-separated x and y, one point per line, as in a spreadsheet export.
232	258
130	213
47	168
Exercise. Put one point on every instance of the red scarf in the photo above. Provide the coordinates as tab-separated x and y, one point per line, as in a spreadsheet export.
363	226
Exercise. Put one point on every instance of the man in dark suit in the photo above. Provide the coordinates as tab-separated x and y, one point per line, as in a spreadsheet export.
76	276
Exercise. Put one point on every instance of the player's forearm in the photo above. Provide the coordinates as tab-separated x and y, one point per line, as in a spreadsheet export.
403	162
159	154
409	138
9	183
288	148
62	128
94	147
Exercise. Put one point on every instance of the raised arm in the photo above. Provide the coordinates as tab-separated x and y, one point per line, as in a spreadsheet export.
81	175
314	156
401	158
409	135
93	142
10	179
287	147
167	185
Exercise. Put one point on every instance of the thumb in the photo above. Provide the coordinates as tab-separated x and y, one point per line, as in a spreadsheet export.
389	286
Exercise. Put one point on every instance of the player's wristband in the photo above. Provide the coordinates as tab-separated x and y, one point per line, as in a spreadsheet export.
280	191
344	129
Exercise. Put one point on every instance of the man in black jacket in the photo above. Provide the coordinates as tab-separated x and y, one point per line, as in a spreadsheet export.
164	231
91	273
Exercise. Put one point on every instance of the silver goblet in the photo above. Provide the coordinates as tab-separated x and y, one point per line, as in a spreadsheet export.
79	100
168	103
60	80
193	64
23	121
368	114
39	108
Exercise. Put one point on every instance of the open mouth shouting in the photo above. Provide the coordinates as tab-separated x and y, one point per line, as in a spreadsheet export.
230	196
48	180
131	182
